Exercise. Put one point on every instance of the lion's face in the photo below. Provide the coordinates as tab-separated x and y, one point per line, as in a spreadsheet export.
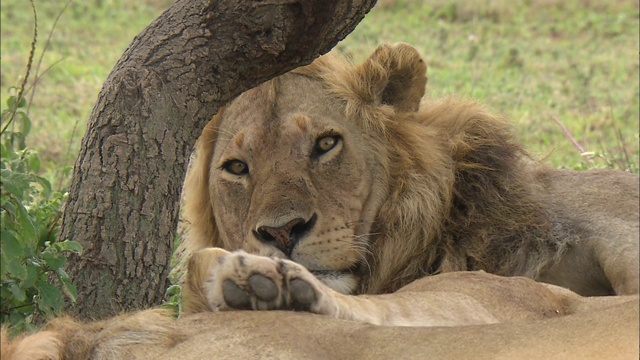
300	167
291	177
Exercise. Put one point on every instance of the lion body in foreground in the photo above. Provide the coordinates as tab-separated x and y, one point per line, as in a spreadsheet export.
536	321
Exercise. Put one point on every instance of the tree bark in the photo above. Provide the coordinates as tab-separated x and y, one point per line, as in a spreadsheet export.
124	198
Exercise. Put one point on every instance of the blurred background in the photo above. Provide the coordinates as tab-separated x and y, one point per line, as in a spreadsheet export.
537	62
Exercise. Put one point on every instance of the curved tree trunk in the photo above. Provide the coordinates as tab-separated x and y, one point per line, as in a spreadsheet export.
124	198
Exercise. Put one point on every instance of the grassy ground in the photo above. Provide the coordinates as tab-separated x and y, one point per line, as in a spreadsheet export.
89	38
532	60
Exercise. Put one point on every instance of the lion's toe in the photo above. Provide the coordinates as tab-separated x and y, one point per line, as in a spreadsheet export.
263	287
302	294
234	296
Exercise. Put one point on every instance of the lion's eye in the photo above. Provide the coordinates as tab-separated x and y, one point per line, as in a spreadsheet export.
236	167
326	143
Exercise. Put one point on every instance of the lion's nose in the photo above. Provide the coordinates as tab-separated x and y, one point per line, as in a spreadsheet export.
287	236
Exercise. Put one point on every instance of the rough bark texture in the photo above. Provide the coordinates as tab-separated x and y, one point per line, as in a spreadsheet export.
124	198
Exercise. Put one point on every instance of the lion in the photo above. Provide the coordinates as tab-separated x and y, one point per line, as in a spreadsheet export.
505	318
337	180
338	192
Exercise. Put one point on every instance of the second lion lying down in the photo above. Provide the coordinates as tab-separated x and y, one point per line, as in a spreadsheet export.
532	325
336	181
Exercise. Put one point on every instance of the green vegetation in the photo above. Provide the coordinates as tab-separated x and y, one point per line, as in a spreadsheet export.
89	37
564	71
31	255
532	61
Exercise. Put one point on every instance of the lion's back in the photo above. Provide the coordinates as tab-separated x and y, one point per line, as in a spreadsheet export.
595	194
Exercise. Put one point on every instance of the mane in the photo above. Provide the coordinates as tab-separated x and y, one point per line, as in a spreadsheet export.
497	221
196	229
458	178
464	198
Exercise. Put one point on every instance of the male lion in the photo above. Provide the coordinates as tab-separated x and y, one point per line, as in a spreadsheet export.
333	183
334	179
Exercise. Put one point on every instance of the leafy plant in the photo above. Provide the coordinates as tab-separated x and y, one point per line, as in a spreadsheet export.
173	298
33	283
30	215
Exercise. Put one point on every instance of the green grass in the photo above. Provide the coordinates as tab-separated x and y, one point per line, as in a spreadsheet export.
531	60
89	38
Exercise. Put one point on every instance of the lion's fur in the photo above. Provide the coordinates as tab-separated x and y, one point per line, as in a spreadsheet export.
455	190
65	338
582	328
483	213
42	345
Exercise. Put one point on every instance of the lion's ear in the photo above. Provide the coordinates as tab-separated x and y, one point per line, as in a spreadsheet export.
394	75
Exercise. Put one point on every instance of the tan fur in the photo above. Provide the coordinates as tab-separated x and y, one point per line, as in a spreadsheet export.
45	345
440	186
526	320
115	338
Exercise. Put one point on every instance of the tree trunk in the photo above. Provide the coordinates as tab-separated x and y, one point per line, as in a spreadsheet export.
124	198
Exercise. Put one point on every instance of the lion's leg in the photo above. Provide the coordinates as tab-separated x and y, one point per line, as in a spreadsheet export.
225	281
619	261
199	270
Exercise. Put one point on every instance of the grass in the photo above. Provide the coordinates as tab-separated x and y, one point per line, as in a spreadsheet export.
534	61
88	40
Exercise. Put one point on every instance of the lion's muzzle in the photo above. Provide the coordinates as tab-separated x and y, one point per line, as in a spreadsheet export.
287	236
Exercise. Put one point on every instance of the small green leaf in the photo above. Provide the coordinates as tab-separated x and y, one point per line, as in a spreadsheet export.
25	124
31	278
54	261
11	102
10	209
14	183
13	255
28	230
46	185
172	291
14	104
33	161
18	292
68	288
5	293
50	297
69	246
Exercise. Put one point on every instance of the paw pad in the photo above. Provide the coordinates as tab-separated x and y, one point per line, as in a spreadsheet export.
235	296
302	294
263	287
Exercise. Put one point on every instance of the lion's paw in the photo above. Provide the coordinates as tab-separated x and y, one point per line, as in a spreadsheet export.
243	281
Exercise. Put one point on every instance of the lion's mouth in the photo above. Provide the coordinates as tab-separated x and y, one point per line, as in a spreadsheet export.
328	273
354	270
345	282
